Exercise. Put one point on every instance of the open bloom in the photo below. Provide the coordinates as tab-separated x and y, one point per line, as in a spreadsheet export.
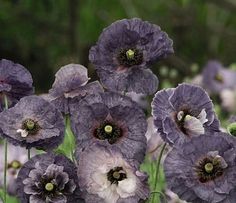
124	52
112	119
33	122
71	83
217	78
15	82
105	176
48	178
203	169
17	156
183	112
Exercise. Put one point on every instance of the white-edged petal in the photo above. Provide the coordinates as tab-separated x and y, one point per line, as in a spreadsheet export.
202	116
127	187
193	126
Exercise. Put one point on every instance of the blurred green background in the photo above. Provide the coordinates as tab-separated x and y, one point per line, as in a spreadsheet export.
44	35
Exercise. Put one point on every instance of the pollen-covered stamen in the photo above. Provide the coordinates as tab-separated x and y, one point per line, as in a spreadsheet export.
116	174
49	187
129	57
232	129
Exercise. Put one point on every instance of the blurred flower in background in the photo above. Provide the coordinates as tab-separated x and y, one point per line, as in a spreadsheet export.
217	78
17	156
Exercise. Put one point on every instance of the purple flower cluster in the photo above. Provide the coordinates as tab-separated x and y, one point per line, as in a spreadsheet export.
112	133
109	127
200	168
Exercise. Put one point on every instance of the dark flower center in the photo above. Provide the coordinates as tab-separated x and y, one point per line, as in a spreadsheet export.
209	169
115	175
180	116
14	164
31	126
130	57
218	77
108	131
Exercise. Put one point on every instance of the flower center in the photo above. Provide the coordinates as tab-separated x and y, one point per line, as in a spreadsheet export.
232	129
210	168
108	131
191	125
30	124
130	54
14	164
49	187
219	78
116	174
130	57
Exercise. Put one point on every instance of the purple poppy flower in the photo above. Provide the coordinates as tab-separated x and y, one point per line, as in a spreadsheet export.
15	82
124	52
203	169
110	178
183	112
33	122
112	119
48	178
71	83
17	156
217	78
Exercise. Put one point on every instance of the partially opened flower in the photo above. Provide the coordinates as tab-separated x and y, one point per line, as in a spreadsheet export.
48	178
124	52
71	82
106	176
217	78
17	156
15	82
112	119
203	169
183	112
33	122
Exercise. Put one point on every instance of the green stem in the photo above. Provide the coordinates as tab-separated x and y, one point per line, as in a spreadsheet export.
70	136
161	193
28	154
158	169
5	161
